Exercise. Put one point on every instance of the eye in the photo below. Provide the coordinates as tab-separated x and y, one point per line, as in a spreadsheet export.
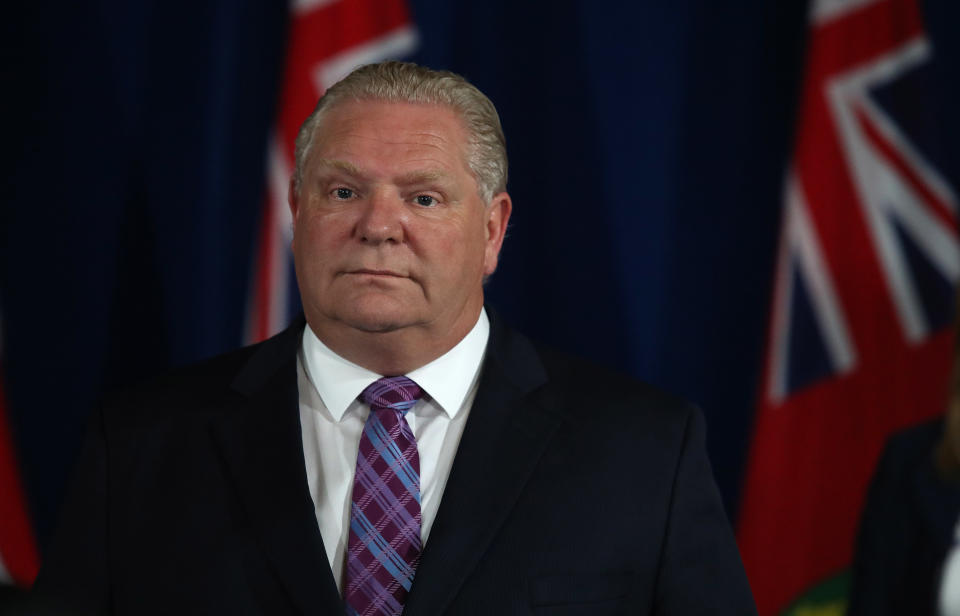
342	193
425	200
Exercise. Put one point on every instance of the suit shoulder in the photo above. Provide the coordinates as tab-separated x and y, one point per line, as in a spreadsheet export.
586	384
214	384
183	390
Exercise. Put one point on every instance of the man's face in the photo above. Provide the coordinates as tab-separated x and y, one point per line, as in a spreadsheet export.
390	233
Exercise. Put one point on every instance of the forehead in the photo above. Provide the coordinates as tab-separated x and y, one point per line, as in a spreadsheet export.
392	125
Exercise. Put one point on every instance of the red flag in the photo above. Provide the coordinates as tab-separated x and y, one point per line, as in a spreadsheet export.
859	342
18	553
327	39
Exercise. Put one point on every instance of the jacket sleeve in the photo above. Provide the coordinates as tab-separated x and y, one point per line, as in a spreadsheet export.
700	568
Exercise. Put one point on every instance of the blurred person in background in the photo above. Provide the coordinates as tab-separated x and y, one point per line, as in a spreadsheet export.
907	559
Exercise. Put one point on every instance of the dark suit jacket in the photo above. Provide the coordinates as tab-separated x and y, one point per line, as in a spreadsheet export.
573	491
906	529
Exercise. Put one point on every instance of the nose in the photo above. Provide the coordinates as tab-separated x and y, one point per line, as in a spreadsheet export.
381	220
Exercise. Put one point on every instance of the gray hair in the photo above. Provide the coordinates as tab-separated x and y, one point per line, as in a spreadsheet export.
410	83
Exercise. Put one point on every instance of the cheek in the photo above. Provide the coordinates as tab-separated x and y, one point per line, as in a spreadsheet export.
314	251
320	234
449	242
461	254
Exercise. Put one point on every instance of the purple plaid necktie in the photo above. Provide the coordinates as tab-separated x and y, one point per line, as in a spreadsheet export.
384	546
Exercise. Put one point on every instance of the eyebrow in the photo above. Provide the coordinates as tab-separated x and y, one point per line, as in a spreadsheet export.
342	165
412	177
420	177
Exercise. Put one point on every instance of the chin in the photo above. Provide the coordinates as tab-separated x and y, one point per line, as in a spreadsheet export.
378	326
378	318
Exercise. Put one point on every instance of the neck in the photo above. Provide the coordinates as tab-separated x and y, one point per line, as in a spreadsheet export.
393	353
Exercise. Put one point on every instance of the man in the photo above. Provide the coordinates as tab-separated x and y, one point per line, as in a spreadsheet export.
403	451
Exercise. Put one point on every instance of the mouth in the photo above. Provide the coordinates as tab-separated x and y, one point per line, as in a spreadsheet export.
374	272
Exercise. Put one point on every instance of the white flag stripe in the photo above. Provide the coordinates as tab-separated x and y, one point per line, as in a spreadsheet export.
822	11
891	197
822	290
897	274
887	67
799	244
848	92
911	54
395	44
928	232
917	163
299	7
883	194
861	161
780	310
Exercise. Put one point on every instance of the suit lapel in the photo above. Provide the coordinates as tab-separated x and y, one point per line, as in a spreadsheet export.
263	451
506	433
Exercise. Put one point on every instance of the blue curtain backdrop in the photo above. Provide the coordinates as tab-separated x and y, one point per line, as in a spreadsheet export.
647	144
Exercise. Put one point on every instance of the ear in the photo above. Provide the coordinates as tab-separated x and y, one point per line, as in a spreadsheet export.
498	215
293	200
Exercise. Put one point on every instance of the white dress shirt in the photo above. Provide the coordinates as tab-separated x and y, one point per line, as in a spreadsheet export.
332	419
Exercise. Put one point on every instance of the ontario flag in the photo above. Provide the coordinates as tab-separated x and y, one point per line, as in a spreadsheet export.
327	39
859	341
19	562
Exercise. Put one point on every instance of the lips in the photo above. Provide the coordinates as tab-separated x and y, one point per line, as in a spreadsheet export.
376	272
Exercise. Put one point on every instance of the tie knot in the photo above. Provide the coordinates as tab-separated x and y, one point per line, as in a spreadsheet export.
393	392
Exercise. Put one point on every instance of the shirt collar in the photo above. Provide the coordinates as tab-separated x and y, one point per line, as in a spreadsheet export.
447	379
